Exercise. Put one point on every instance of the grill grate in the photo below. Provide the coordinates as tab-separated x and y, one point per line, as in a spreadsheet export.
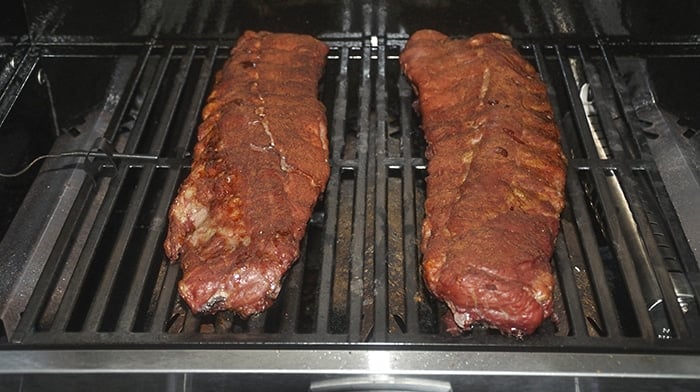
107	281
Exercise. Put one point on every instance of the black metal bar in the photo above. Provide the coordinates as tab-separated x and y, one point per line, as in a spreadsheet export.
669	220
370	282
412	271
167	293
332	192
356	287
567	249
224	13
201	17
290	297
381	15
397	162
367	19
380	199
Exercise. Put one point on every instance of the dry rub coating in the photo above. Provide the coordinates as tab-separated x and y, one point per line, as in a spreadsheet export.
260	164
496	177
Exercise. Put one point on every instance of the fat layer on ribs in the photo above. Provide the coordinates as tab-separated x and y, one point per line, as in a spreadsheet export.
259	166
496	176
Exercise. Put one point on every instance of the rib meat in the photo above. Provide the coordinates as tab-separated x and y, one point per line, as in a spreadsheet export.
496	176
259	165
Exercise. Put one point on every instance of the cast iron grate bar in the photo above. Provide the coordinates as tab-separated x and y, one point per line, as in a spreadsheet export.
357	262
385	293
575	315
414	295
290	297
381	291
369	292
167	294
336	136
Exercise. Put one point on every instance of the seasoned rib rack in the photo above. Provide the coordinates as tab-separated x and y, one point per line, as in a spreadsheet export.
495	183
260	163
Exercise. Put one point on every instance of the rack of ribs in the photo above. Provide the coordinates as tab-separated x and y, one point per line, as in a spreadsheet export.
259	166
496	176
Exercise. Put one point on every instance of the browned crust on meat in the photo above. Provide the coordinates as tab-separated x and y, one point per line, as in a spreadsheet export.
259	165
496	177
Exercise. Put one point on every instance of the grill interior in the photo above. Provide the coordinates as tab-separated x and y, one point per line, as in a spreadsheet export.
626	275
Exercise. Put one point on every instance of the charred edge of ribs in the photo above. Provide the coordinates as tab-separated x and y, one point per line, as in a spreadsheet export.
260	163
495	185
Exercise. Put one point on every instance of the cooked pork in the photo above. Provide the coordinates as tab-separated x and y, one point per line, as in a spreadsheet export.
496	176
259	166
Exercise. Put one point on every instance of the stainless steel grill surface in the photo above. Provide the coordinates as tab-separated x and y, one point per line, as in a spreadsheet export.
89	291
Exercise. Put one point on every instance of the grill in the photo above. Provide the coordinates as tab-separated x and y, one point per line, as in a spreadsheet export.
89	291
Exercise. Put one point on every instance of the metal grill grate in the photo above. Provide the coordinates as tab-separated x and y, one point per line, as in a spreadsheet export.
620	258
107	281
